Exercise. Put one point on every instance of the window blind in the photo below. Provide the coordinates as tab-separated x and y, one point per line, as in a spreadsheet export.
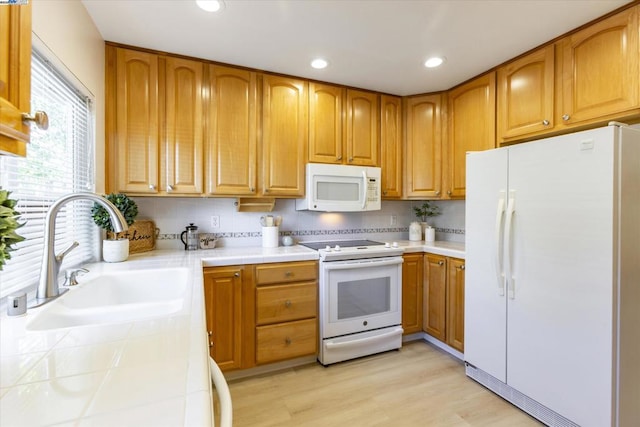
59	161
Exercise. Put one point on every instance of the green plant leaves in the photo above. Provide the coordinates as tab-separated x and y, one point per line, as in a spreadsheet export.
8	226
125	205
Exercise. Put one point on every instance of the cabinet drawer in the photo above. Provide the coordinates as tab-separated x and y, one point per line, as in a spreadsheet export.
285	273
283	303
286	340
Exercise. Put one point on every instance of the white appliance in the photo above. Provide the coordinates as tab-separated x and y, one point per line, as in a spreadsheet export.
552	297
341	188
360	299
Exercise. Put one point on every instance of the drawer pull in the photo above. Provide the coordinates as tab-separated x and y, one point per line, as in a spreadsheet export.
209	333
210	343
287	303
287	341
288	274
440	262
236	274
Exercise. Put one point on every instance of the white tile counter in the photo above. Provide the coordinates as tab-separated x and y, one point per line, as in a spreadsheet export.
141	373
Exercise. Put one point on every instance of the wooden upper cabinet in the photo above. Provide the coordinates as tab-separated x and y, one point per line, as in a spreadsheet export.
526	95
600	71
284	136
471	127
182	142
391	146
134	137
232	142
423	146
362	128
15	78
326	130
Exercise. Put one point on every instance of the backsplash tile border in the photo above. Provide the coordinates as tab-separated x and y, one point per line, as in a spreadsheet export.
308	233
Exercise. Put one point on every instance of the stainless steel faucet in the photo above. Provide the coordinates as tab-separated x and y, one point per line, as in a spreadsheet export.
48	288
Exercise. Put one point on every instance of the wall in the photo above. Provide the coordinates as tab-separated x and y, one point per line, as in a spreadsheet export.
172	215
65	30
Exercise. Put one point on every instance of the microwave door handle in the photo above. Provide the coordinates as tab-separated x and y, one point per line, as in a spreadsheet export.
364	189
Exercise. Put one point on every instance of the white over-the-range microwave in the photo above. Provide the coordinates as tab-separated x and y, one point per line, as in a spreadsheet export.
341	188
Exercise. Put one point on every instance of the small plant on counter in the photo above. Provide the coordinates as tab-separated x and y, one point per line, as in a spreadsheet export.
8	226
425	211
125	205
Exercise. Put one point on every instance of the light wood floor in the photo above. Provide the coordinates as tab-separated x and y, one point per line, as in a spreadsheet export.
420	385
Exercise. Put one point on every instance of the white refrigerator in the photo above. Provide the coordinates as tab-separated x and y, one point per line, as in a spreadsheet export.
552	292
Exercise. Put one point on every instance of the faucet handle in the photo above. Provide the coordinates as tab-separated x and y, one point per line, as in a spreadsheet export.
72	276
64	253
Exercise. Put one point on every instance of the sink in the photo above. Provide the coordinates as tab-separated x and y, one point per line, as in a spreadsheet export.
115	298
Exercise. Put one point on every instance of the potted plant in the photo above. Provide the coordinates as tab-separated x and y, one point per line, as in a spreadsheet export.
8	226
115	248
427	210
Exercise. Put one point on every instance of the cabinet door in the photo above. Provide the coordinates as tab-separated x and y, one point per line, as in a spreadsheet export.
232	140
326	131
15	77
434	305
391	146
183	132
423	158
134	145
455	303
362	128
284	136
471	118
600	71
223	302
412	293
526	95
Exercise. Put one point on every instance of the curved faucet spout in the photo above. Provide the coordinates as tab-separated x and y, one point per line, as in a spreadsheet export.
48	286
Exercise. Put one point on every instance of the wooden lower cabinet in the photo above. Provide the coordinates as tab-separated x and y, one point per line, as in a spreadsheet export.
286	310
443	299
412	293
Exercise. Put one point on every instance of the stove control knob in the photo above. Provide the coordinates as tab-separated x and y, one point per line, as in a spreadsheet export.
327	248
394	244
337	248
387	245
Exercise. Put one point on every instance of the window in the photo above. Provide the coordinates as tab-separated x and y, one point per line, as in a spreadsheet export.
59	161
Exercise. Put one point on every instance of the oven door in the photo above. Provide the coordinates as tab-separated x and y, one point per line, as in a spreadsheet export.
360	295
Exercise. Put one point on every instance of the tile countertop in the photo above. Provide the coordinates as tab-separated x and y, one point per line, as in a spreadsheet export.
145	372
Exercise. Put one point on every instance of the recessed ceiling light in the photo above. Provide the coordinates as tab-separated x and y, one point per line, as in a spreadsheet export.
210	5
319	63
433	62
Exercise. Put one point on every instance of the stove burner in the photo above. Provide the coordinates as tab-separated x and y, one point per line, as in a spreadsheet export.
341	243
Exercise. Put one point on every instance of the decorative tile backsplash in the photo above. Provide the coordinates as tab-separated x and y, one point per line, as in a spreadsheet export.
172	215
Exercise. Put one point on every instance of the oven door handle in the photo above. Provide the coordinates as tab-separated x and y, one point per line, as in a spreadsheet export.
350	265
351	343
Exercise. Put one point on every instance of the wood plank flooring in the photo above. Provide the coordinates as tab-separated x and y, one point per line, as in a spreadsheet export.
419	385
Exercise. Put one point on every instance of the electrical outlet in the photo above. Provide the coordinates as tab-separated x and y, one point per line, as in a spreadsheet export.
215	221
394	220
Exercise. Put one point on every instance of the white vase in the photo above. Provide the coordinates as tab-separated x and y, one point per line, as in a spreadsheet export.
115	250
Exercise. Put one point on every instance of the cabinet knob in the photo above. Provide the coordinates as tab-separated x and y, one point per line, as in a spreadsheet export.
449	192
566	117
266	190
210	343
350	159
339	158
252	189
438	193
545	122
236	274
287	303
441	262
287	341
152	187
209	333
287	274
169	187
40	118
462	267
384	192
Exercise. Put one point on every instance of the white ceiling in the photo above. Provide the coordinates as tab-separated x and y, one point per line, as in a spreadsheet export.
371	44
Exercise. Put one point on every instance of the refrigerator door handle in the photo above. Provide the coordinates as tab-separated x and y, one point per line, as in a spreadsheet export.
511	208
499	243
